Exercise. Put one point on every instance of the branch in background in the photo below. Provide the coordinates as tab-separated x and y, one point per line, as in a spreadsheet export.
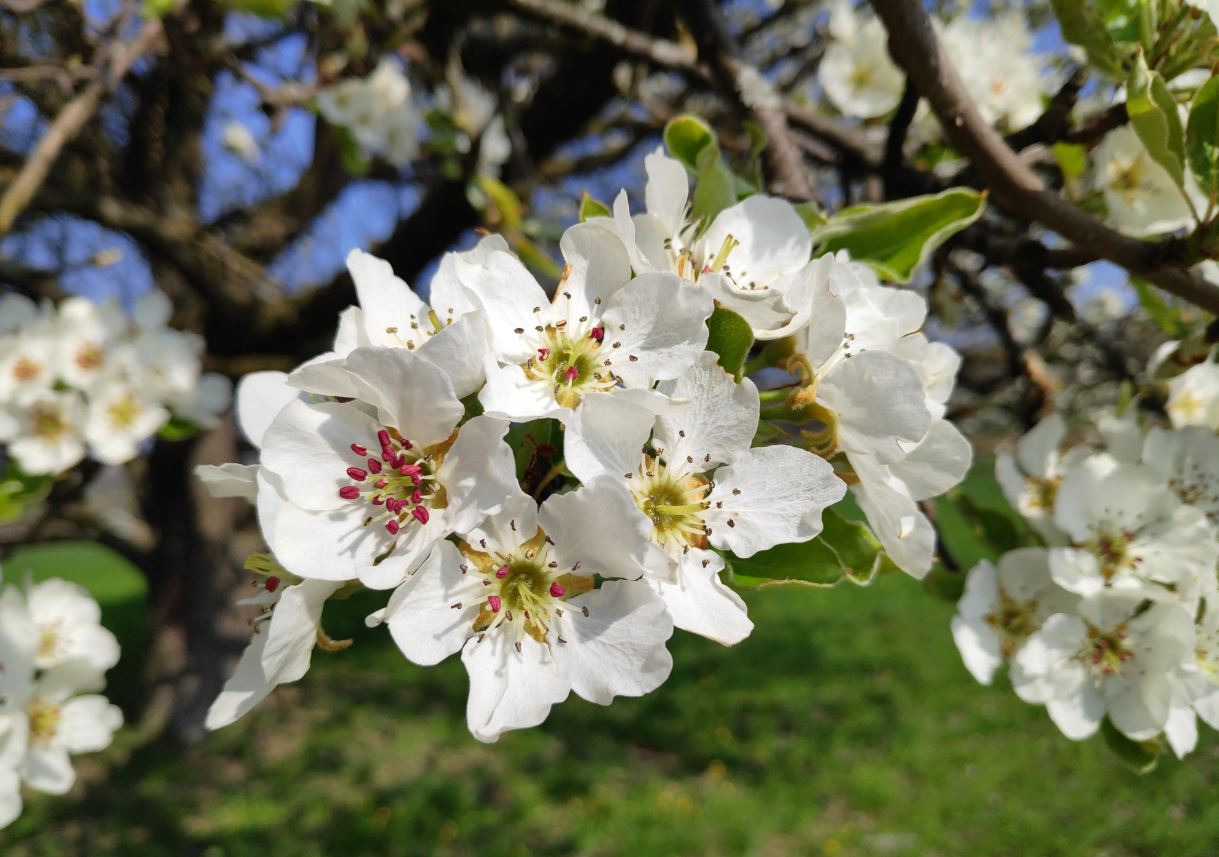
1096	127
744	85
895	143
70	121
916	48
1055	123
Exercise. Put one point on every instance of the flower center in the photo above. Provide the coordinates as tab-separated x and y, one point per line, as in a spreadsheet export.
416	334
44	721
1106	651
26	370
400	485
47	422
124	412
1014	621
573	365
90	357
674	500
1112	550
49	641
524	589
690	266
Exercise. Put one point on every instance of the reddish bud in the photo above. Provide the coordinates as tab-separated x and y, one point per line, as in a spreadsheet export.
349	492
392	527
557	591
494	603
272	584
421	514
358	449
357	474
571	374
501	572
374	466
597	333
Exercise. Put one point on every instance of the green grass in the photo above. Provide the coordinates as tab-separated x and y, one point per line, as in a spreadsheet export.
845	725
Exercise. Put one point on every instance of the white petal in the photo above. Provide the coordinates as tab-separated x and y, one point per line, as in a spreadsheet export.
720	419
447	292
247	687
940	461
600	527
260	397
979	647
618	649
87	724
48	769
879	401
508	294
509	689
1039	447
10	797
659	320
598	267
904	531
773	238
385	300
667	189
606	436
769	496
1181	730
229	480
308	450
410	393
421	615
1078	714
459	349
700	603
510	395
292	631
478	472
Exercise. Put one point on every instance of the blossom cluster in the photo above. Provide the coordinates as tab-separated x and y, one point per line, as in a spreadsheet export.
387	463
54	654
388	120
86	378
1114	617
991	55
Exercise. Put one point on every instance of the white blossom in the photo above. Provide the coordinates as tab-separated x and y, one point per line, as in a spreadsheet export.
521	604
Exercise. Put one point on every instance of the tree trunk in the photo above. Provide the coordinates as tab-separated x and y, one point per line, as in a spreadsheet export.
194	577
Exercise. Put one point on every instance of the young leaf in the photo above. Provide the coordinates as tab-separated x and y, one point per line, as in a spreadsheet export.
845	550
1141	756
896	237
1153	113
1202	137
715	186
730	337
590	207
1082	26
686	137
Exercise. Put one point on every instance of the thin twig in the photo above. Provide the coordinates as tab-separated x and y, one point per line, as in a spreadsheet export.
916	48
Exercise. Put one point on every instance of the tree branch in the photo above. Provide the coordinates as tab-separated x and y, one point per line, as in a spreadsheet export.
746	87
915	47
70	121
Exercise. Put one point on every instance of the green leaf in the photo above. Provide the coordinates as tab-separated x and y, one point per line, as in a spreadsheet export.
1166	316
504	199
590	207
686	137
1072	159
19	490
947	586
107	574
1141	756
896	237
715	186
1202	137
1153	113
178	428
811	214
1082	26
263	8
730	337
533	442
159	8
845	550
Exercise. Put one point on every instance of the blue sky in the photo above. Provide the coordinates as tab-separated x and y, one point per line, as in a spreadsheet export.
364	214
